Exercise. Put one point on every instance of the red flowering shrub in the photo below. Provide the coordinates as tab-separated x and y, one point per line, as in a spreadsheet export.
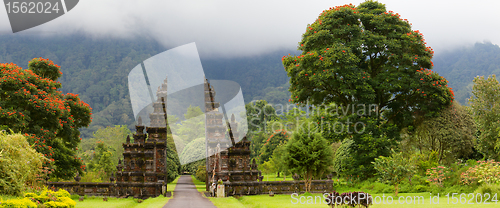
437	175
484	172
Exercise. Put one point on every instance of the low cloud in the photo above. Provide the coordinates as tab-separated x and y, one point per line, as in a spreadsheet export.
239	28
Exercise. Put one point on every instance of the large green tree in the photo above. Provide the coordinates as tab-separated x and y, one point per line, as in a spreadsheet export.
102	160
485	105
367	55
31	104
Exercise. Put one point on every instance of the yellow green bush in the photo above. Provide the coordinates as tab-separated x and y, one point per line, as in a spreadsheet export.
49	199
18	203
19	164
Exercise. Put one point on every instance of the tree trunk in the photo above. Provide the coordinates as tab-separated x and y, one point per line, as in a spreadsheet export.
396	187
308	182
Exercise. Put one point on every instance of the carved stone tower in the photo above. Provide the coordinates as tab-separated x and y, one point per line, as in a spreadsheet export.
226	160
144	170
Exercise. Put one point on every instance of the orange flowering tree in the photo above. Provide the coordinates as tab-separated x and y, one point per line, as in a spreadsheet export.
31	104
367	55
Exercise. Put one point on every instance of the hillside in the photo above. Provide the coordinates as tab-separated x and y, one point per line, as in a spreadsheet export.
97	70
462	65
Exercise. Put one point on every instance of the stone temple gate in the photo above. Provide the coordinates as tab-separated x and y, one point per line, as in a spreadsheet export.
143	171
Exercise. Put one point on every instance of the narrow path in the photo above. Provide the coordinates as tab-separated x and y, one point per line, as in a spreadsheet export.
186	195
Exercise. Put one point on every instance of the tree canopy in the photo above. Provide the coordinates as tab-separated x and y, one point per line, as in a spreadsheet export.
309	155
31	104
367	55
451	134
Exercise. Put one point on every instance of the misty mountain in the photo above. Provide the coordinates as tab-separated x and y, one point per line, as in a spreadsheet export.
462	65
97	70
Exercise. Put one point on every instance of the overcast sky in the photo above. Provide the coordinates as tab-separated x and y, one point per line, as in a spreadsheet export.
235	27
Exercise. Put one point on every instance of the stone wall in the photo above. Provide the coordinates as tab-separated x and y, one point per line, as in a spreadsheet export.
115	189
86	188
278	187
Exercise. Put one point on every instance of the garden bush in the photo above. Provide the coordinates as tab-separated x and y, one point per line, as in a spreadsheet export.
52	199
394	169
488	188
201	173
437	175
426	161
342	160
20	164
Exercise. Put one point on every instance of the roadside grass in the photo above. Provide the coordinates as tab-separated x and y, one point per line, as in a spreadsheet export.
227	202
128	202
317	200
200	186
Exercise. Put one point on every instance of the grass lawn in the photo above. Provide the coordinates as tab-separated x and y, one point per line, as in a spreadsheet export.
128	202
286	201
272	177
227	202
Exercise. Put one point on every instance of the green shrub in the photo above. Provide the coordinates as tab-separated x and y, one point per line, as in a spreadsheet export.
426	161
394	169
342	160
419	188
201	173
75	196
16	173
488	188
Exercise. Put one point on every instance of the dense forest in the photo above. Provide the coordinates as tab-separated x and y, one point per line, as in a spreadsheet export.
97	70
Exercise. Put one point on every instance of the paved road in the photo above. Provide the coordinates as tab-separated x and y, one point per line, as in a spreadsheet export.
186	195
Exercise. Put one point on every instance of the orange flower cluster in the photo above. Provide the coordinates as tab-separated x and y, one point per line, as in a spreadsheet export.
439	83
